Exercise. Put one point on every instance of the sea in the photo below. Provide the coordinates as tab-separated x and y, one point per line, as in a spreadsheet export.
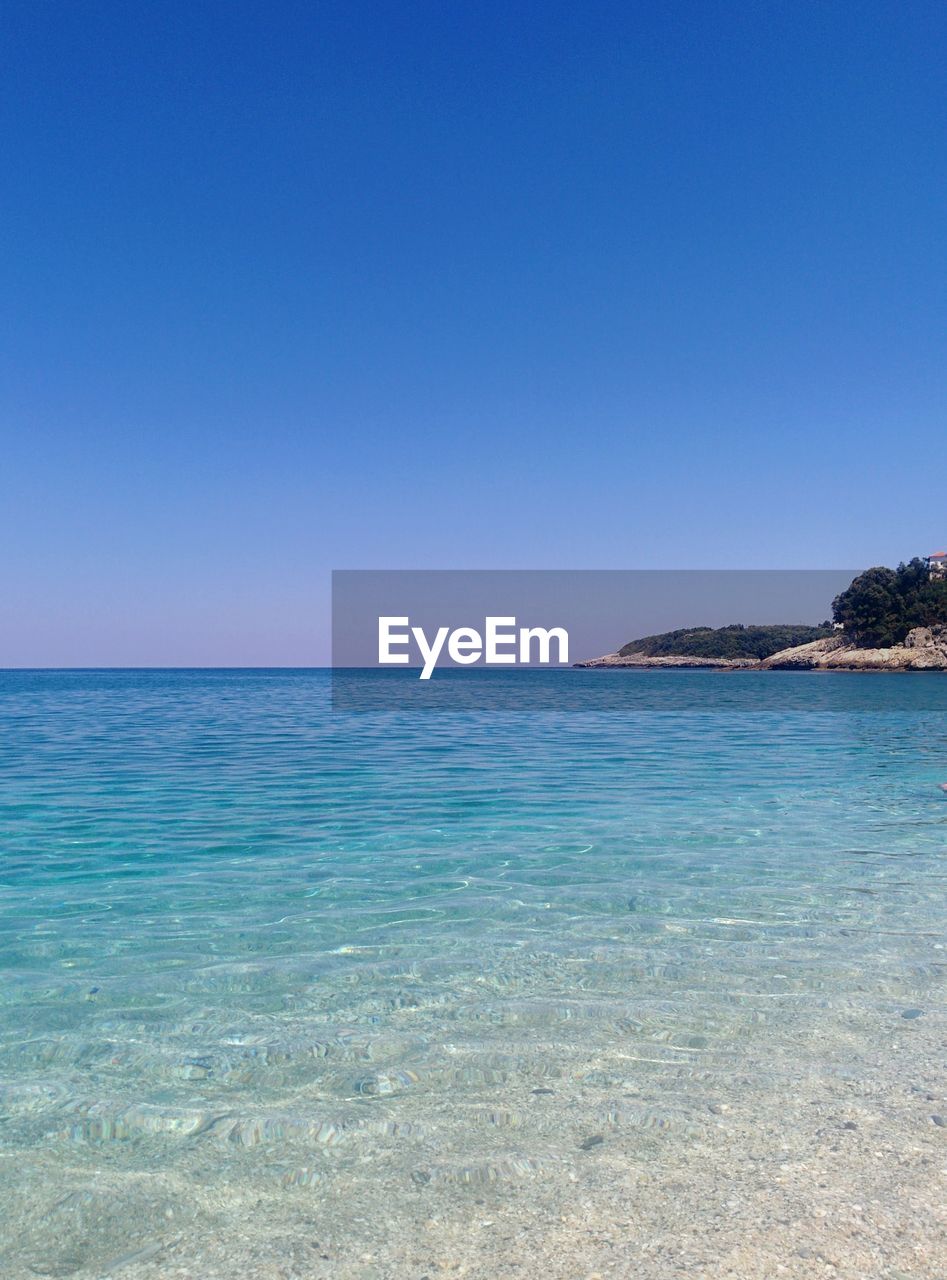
608	973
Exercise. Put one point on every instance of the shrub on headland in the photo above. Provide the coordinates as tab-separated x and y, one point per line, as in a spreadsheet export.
882	605
735	641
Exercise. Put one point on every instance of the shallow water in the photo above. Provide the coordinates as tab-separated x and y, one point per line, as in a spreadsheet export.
267	968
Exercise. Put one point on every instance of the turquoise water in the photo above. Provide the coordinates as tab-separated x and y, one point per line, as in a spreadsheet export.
264	964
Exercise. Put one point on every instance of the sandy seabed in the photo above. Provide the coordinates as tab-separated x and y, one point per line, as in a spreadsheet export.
824	1153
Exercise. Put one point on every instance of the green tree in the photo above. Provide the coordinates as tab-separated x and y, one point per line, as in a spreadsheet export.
882	605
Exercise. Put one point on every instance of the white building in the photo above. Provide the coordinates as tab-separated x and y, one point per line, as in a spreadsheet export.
937	564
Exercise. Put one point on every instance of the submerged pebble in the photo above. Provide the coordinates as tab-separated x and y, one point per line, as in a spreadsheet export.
301	1178
500	1169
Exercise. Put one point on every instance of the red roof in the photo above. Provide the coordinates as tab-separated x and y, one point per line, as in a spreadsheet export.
938	555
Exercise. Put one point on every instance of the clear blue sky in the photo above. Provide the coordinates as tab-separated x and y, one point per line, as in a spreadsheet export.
288	287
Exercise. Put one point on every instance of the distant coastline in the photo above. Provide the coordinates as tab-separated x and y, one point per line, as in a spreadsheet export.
925	649
885	620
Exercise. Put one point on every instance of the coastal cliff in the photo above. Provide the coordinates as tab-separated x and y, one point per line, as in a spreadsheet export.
924	649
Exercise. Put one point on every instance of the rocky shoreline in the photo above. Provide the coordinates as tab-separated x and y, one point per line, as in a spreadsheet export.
924	649
632	660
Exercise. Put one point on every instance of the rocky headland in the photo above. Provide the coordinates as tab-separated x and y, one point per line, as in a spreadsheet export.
924	649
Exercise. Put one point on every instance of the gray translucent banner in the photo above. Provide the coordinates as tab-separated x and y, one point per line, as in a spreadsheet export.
402	625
